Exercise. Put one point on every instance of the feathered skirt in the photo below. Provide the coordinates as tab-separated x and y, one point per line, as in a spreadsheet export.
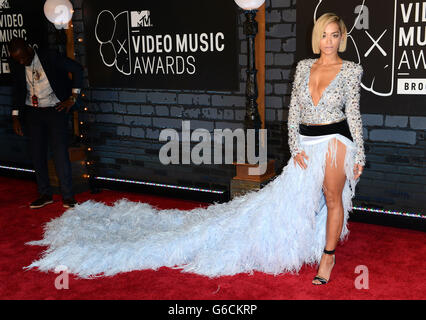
274	230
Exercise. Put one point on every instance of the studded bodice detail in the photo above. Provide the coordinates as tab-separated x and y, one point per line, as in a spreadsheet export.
339	101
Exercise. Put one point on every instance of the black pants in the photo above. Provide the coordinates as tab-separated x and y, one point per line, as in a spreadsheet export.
48	125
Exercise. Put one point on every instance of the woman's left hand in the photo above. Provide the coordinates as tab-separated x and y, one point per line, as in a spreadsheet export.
358	171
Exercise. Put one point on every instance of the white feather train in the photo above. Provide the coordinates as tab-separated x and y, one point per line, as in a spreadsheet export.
274	230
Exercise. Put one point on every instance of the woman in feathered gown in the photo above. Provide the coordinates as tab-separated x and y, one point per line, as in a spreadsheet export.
275	230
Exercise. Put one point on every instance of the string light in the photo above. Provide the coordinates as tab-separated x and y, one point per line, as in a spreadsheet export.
16	169
159	185
398	213
87	162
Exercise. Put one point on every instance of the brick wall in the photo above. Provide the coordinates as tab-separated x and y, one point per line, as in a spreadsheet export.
395	175
123	125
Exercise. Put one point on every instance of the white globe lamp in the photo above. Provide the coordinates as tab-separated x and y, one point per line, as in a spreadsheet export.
59	12
249	4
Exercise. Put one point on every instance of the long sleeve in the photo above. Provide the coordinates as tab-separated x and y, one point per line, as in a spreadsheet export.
74	67
18	87
353	114
294	114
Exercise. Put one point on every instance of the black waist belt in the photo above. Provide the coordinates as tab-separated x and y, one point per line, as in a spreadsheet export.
338	127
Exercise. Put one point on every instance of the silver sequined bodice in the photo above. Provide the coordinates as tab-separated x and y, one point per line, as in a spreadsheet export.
339	101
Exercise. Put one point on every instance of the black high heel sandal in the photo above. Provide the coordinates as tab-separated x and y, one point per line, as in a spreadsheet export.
321	279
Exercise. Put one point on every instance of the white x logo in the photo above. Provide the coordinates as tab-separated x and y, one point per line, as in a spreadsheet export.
375	44
121	46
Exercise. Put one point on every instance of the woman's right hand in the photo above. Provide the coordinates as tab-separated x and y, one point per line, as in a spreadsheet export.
299	159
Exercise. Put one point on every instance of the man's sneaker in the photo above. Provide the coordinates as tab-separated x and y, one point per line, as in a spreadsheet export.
41	202
69	203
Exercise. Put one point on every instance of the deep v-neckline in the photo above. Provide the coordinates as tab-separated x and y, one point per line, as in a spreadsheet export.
325	89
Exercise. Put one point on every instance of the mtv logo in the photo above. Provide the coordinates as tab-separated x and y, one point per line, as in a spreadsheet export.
140	19
5	67
4	4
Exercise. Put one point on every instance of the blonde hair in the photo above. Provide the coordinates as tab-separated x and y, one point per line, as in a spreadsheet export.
319	28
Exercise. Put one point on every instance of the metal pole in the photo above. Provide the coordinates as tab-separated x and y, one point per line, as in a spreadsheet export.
252	118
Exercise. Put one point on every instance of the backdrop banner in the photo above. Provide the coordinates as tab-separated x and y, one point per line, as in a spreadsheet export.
22	19
164	44
387	37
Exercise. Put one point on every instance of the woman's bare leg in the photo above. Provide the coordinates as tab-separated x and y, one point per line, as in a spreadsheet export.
334	181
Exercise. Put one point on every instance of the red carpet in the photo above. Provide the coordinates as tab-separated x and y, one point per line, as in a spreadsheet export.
395	259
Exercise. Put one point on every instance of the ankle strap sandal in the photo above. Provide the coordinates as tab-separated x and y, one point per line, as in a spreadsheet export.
321	279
